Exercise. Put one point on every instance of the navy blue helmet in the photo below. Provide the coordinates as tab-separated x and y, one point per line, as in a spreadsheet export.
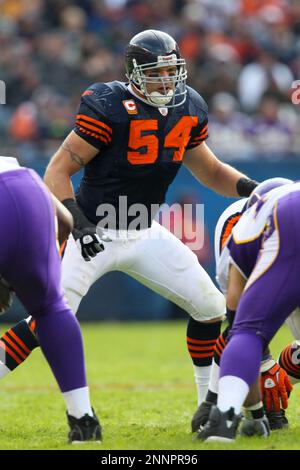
150	50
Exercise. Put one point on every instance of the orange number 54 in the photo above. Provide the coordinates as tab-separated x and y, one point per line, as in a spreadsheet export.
177	138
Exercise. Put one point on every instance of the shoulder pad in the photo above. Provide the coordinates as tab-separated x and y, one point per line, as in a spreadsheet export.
106	98
195	102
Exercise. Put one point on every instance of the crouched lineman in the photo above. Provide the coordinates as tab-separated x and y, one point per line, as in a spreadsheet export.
275	385
264	250
131	139
30	265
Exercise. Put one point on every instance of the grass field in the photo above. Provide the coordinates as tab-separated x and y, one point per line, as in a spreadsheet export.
142	388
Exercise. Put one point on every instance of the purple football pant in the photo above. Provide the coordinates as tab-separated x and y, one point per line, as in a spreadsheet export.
271	296
30	263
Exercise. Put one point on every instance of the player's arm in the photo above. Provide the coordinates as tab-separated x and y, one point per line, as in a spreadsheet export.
64	219
219	176
73	154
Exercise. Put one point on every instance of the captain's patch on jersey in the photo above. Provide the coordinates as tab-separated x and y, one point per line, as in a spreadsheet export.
130	106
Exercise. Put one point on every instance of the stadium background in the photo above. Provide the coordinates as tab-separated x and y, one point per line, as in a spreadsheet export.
242	55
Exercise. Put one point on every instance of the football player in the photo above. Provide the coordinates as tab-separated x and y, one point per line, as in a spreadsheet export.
131	139
264	255
30	266
274	382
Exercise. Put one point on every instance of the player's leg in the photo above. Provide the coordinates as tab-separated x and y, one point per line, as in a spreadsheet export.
77	276
36	281
164	264
289	358
16	345
270	295
20	340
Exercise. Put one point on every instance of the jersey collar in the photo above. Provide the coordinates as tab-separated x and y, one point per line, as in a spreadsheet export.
162	110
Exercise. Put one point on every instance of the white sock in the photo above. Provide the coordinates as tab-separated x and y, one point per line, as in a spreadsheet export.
78	402
232	393
4	370
201	378
214	378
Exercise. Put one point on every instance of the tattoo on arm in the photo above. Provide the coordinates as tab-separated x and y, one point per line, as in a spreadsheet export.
73	156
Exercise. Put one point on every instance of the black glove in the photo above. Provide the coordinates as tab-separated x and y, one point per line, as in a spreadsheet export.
84	231
90	243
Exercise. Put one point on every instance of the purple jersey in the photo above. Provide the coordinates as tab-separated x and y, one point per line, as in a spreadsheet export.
255	226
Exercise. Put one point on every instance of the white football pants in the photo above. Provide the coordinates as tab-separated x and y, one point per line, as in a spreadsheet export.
155	258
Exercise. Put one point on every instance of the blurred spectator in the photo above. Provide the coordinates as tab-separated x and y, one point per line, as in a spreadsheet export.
260	76
243	48
228	129
271	135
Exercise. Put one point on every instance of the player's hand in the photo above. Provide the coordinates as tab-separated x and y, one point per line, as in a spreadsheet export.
87	236
275	387
88	241
5	296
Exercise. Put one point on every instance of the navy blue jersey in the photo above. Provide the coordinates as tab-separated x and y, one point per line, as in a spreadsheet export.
140	149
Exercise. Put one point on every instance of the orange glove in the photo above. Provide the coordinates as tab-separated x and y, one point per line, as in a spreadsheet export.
275	386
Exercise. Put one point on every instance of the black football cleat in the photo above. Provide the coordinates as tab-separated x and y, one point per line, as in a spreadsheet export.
255	427
201	416
221	427
84	429
277	420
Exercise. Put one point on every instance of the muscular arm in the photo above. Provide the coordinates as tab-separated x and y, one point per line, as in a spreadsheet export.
71	156
211	172
64	219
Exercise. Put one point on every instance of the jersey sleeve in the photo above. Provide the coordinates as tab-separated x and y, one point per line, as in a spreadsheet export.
91	124
199	134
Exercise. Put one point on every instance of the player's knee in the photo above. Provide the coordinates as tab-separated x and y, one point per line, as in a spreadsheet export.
75	287
73	299
211	308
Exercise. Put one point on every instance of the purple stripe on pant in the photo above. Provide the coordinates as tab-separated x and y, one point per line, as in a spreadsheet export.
266	304
30	262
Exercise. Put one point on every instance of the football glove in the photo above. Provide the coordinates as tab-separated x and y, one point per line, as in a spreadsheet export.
275	386
88	241
5	296
88	238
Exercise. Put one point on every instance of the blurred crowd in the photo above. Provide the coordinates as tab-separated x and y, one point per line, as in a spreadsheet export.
242	55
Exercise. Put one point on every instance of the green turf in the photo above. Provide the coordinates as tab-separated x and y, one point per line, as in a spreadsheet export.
142	388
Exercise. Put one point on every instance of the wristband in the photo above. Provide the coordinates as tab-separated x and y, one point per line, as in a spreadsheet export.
80	221
245	186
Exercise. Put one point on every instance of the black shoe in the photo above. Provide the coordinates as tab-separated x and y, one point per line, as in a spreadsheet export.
255	427
277	420
201	416
221	427
84	429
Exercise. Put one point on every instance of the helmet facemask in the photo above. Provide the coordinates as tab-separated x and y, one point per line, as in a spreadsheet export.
170	98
